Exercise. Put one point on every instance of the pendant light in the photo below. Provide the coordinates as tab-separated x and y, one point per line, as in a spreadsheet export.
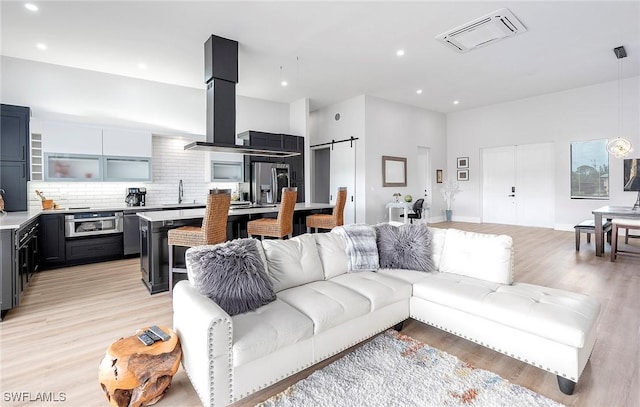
619	146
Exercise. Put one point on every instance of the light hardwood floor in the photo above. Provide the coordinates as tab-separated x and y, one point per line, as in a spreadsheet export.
54	341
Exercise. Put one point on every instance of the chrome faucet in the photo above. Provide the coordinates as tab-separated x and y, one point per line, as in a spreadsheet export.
180	191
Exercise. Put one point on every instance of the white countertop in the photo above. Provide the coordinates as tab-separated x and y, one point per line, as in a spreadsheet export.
161	216
153	213
15	220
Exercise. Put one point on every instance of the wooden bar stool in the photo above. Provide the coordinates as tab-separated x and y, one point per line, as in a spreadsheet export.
326	221
622	224
588	227
281	226
212	231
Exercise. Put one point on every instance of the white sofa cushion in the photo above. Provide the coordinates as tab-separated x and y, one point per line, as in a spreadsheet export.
380	290
558	315
437	244
293	262
410	276
332	250
267	329
478	255
327	304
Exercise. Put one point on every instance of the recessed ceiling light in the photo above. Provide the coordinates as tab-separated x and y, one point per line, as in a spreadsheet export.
142	66
455	102
419	91
41	46
31	7
284	83
400	52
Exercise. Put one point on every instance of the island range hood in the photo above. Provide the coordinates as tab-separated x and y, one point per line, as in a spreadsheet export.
221	76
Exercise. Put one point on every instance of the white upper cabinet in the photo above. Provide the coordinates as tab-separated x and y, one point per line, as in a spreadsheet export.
126	143
70	138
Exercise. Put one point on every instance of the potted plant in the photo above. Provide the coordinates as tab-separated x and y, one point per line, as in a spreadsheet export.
396	196
449	189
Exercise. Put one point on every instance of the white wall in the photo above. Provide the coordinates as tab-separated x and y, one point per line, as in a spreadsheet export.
299	126
383	128
325	128
398	130
74	95
579	114
70	94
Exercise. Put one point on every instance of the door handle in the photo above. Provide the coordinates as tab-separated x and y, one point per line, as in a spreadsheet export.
511	195
351	198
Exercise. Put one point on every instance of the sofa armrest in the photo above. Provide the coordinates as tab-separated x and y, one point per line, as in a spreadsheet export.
206	336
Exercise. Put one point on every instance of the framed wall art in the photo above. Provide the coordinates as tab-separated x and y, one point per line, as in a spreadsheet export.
463	162
439	176
394	171
463	175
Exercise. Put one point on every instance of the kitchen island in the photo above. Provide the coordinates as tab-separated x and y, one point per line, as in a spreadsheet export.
154	225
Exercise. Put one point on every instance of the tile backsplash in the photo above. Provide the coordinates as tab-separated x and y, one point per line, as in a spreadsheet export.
170	164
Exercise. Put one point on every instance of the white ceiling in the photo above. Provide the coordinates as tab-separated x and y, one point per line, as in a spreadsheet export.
331	51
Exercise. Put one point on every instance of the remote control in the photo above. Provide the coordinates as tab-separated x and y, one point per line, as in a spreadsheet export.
146	339
152	335
159	332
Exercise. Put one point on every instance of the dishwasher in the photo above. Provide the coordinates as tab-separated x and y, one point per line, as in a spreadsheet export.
131	234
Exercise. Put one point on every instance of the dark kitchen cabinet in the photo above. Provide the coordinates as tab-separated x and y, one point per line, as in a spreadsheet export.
52	241
9	283
154	252
283	142
14	128
93	249
13	179
290	143
20	259
14	156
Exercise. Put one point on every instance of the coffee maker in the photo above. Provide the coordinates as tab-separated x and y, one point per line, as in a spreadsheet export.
136	196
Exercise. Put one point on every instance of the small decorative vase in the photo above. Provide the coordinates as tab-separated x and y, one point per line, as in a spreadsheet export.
408	198
448	213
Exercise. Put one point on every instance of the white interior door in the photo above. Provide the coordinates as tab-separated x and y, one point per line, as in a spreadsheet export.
424	171
518	185
498	185
343	174
535	189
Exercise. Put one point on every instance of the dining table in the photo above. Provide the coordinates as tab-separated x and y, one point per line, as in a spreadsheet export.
610	212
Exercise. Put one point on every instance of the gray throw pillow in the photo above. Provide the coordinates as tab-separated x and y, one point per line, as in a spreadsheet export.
405	247
232	274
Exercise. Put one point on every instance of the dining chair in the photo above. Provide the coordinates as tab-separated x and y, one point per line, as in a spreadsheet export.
627	224
281	226
329	221
212	231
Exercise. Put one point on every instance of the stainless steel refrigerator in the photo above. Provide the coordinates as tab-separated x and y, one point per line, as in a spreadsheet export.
267	181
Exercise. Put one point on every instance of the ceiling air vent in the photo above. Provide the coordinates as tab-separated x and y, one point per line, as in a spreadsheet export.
482	31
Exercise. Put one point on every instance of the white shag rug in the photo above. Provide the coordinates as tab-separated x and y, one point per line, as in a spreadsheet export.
396	370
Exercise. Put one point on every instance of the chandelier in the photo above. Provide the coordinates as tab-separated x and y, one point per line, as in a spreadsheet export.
619	147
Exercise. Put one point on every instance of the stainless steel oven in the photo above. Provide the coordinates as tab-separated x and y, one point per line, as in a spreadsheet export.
93	223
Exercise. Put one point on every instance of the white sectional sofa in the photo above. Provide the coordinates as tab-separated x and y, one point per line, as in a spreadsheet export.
321	309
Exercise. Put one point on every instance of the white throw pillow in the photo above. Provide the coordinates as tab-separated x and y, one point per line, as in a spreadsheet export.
292	262
478	255
332	249
437	244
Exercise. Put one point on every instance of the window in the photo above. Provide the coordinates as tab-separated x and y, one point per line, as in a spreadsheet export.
589	169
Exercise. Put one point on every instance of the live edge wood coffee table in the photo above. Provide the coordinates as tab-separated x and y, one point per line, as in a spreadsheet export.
132	374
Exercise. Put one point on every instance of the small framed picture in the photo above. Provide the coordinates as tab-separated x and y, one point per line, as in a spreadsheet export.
439	176
463	175
463	162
